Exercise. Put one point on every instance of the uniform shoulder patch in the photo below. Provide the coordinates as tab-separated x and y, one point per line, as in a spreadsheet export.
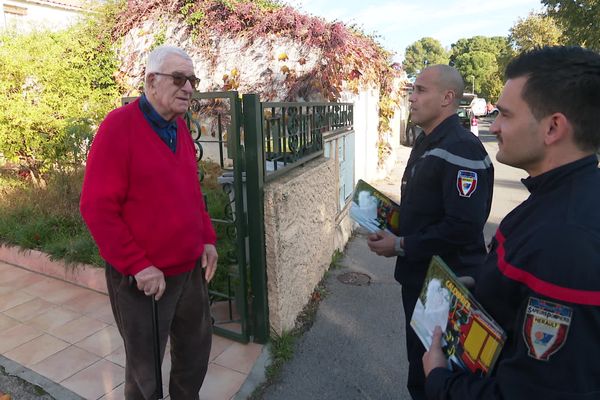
466	182
545	327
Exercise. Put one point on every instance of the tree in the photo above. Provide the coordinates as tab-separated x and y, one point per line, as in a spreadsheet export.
537	30
58	86
424	52
578	20
482	59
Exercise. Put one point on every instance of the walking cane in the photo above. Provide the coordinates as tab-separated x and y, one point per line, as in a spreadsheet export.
156	345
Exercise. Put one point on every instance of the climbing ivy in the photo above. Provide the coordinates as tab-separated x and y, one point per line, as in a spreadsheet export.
351	59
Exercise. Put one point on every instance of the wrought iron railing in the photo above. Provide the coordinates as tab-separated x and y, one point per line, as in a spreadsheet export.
293	132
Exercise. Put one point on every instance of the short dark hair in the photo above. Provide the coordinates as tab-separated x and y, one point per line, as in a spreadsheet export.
566	80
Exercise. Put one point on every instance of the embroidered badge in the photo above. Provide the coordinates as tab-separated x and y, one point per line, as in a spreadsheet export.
545	327
466	182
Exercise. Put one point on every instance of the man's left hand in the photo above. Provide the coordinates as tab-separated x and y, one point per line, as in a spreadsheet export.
382	243
209	261
435	357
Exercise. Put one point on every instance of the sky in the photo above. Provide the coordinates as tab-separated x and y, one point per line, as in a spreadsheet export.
399	23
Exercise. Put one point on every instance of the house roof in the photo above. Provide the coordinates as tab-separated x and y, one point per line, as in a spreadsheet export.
68	4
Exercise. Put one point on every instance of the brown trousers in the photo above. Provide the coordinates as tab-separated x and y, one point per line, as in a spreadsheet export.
184	317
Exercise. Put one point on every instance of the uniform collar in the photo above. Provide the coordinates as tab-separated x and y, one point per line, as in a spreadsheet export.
556	176
439	131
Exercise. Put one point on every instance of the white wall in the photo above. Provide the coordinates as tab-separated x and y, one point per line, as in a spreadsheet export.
36	15
366	121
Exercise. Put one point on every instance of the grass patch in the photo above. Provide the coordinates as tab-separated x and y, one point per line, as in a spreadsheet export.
336	259
46	218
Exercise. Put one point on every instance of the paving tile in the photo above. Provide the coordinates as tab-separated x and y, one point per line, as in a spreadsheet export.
230	326
166	369
239	357
117	356
87	302
65	363
10	275
221	312
118	393
6	288
103	313
16	336
103	342
54	290
219	345
30	309
96	380
52	319
221	383
13	298
68	293
77	329
7	322
44	287
36	350
80	331
28	279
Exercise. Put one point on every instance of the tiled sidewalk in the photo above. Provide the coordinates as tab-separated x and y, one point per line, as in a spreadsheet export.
67	334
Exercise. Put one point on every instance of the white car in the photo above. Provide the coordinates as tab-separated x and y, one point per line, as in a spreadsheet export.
479	107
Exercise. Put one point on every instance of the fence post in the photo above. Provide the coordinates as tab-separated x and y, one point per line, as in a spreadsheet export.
253	139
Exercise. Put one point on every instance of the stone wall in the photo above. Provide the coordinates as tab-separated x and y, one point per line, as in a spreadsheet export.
258	68
301	231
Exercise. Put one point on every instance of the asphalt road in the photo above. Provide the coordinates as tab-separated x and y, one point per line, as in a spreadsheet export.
20	389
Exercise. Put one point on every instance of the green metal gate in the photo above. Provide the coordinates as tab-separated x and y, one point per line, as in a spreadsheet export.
239	307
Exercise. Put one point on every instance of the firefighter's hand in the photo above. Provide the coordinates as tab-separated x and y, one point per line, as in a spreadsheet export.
435	357
151	281
382	243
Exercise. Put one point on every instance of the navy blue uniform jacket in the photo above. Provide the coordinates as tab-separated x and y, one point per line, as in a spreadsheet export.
541	283
446	198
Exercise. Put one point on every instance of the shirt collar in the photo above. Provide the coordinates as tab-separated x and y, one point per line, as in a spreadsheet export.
152	115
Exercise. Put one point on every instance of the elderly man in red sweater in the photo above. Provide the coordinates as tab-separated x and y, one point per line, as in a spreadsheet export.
142	202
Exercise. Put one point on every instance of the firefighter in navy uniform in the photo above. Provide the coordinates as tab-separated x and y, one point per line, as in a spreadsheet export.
541	281
446	199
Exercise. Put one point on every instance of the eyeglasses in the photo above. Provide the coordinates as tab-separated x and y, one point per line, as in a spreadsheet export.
179	79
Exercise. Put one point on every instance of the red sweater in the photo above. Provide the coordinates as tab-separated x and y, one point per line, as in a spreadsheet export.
142	202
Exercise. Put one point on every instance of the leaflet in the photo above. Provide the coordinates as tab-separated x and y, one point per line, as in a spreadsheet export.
373	210
471	339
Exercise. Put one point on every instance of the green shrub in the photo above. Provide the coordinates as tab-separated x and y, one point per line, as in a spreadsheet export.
57	86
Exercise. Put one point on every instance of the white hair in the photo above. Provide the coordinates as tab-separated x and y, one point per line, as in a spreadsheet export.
157	58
